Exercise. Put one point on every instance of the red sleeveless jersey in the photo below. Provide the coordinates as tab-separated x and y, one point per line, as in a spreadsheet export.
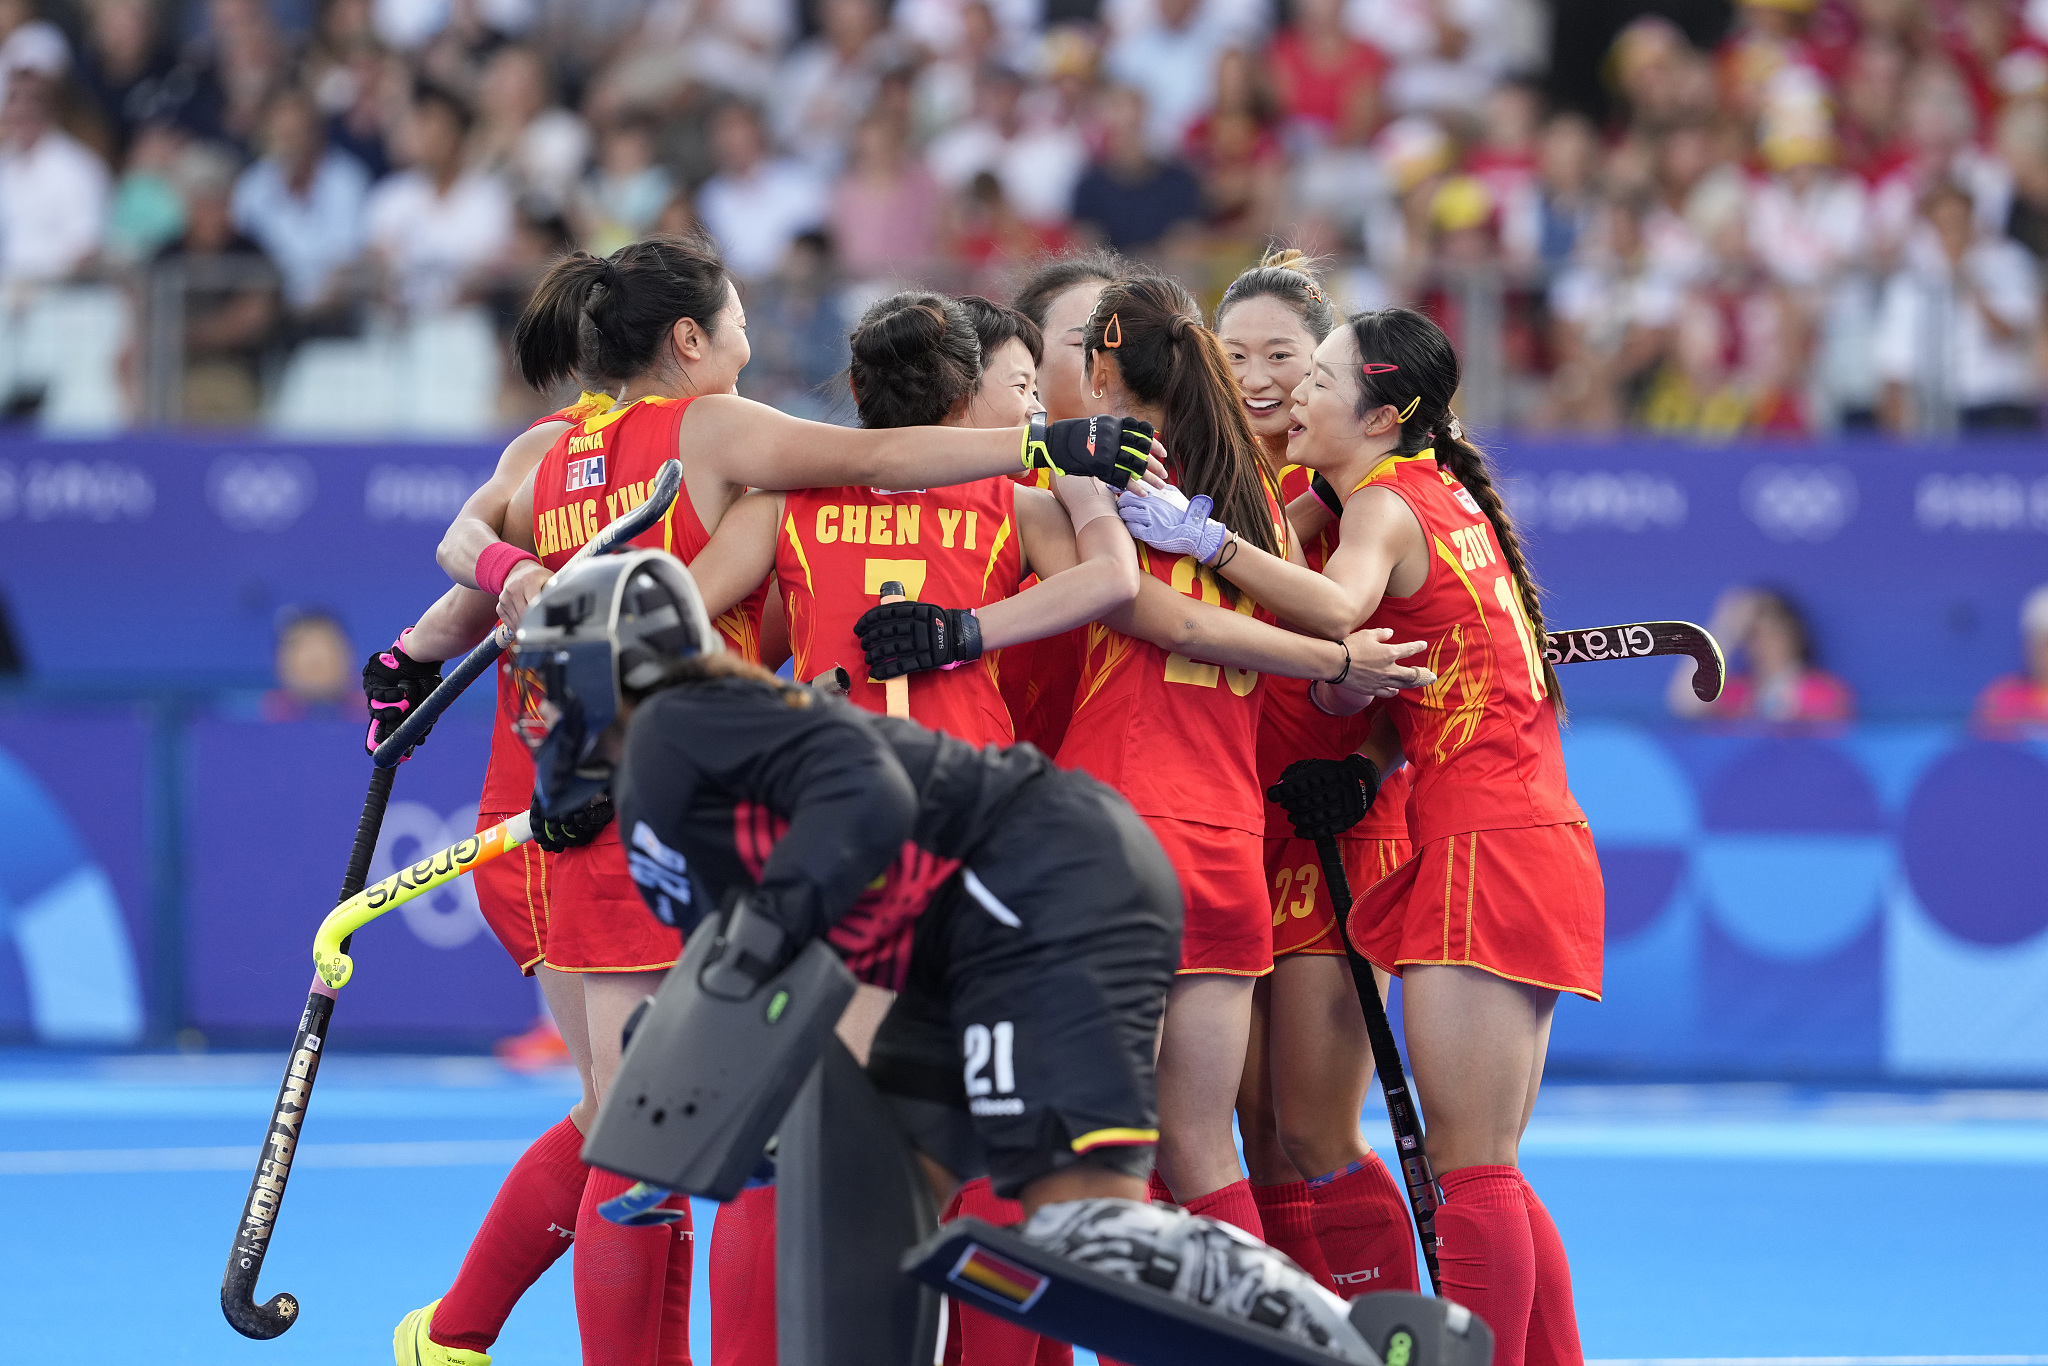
1291	727
595	471
1483	738
1177	737
955	547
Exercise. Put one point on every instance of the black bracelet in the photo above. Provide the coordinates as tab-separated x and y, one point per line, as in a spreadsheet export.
1228	554
1346	671
1326	495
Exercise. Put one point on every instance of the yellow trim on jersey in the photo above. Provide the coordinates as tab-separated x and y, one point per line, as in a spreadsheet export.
1426	453
605	419
1096	1138
1474	706
588	404
994	551
796	543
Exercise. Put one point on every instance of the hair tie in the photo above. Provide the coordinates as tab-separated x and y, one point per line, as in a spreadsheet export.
1409	411
1113	333
1452	430
1178	328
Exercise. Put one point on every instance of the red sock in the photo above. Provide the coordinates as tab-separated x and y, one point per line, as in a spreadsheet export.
1363	1224
1288	1214
619	1276
675	1286
1553	1323
1486	1254
1156	1191
743	1280
983	1339
1231	1205
531	1223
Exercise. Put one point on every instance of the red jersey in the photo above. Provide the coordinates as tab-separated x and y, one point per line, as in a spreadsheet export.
595	471
1177	737
1483	738
957	547
1291	727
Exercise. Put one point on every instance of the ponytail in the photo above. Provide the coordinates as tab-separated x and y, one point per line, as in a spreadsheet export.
1170	361
1420	378
612	315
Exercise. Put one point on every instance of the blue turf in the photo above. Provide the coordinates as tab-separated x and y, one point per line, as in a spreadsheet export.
1702	1221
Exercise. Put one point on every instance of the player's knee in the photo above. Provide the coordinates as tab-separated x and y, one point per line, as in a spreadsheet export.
1315	1144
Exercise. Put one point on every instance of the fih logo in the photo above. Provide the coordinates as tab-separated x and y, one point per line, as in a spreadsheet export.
447	917
260	492
1799	502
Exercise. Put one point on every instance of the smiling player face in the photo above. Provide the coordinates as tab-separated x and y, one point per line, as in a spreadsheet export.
1269	352
1323	422
1007	393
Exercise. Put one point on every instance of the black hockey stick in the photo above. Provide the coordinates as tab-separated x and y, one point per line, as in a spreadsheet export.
1639	639
1423	1193
295	1093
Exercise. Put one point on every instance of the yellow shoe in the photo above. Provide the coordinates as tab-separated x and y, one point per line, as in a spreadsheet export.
410	1345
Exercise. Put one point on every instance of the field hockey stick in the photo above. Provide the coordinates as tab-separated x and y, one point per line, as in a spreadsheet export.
895	691
1639	640
661	492
1423	1193
295	1092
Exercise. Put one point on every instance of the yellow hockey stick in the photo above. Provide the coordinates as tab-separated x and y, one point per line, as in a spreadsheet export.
421	877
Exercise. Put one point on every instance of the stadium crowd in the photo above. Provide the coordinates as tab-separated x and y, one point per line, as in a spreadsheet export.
1791	216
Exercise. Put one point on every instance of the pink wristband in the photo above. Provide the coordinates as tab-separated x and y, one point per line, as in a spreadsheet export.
497	563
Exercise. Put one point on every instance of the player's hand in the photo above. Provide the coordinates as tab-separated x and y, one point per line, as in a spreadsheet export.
580	826
1185	530
1326	796
1113	449
907	637
522	586
1376	668
394	683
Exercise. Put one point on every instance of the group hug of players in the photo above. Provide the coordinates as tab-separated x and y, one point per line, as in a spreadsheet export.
1188	645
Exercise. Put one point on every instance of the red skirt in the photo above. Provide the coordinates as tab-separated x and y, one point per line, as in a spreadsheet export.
1303	914
1223	891
576	911
1524	904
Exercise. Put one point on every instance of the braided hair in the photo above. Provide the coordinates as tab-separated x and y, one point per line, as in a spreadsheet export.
1419	383
1169	360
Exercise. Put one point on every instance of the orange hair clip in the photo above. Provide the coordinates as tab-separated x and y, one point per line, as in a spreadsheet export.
1113	333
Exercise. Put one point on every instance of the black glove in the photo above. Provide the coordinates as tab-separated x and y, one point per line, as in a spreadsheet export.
395	683
753	947
1326	796
580	826
1113	449
908	637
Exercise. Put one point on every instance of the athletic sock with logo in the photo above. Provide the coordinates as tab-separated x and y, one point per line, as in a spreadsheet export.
1487	1255
675	1286
1553	1322
531	1223
1362	1221
977	1339
743	1280
1288	1214
619	1276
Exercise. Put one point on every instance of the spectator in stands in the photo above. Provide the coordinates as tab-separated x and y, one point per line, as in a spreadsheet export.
1343	196
304	203
1169	59
125	71
244	57
800	366
989	236
316	671
1136	201
434	226
1446	54
1939	131
1773	673
2021	699
2023	145
146	211
626	190
1614	313
826	85
886	206
1566	198
227	287
945	89
1235	149
1317	68
1038	159
30	44
756	205
1872	100
1957	327
522	133
53	191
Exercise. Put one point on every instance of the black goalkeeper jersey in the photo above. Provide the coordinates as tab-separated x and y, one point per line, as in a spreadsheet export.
847	820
